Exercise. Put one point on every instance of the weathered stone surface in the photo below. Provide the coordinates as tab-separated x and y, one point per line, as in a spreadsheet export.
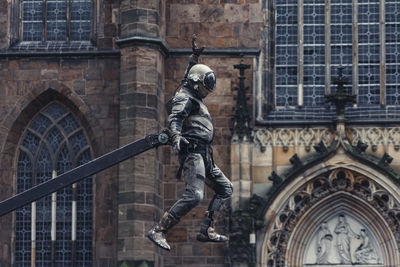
184	13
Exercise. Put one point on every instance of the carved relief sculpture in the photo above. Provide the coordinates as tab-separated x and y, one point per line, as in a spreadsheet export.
343	239
324	240
365	253
340	239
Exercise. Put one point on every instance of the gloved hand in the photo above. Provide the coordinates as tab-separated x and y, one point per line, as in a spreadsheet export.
196	50
176	141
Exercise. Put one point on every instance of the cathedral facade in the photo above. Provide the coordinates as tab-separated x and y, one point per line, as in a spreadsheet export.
306	111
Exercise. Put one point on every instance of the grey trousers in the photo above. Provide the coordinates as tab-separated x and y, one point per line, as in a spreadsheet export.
198	170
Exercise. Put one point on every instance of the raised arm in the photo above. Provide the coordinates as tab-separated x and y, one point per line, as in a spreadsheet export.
194	58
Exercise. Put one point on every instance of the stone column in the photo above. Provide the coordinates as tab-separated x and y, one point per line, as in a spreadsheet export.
141	113
241	152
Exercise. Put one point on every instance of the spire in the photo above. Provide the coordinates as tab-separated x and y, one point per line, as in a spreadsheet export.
340	100
241	118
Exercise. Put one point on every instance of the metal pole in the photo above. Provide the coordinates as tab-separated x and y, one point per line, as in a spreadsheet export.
83	171
53	223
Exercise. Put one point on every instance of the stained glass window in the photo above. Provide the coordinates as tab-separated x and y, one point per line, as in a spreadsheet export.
392	35
286	53
32	20
80	19
64	20
311	40
314	52
54	142
341	40
368	53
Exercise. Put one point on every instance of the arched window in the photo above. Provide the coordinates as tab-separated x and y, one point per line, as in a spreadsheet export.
57	229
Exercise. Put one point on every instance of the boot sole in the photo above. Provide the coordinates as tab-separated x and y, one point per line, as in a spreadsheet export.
205	239
149	236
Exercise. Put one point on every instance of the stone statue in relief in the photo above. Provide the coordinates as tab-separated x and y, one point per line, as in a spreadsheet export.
365	253
324	240
343	239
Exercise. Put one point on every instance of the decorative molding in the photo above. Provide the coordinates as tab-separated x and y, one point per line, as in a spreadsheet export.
332	182
59	53
374	136
144	40
292	137
230	52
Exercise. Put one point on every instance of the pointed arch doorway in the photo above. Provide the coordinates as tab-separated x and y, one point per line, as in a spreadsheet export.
340	215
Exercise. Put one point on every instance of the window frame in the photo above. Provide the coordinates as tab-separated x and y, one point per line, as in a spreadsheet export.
354	65
16	28
54	156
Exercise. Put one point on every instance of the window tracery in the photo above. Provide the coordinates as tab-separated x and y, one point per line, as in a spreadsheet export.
54	143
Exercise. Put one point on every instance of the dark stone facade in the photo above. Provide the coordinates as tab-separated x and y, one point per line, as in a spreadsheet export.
117	88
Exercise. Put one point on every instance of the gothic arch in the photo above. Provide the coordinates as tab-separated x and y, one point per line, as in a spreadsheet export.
14	124
53	142
31	103
338	183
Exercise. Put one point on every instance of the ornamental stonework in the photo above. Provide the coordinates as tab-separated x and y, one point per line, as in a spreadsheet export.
375	136
293	137
325	185
372	136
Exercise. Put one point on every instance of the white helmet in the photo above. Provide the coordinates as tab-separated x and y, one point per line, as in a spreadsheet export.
203	76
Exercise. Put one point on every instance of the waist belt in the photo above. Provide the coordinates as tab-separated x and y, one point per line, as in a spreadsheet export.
194	146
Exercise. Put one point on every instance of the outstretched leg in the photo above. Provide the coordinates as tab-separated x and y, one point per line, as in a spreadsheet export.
194	175
223	190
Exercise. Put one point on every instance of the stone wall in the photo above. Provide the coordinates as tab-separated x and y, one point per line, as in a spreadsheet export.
218	24
140	196
88	86
185	249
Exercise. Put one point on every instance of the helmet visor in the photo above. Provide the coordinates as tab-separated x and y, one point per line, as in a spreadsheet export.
209	81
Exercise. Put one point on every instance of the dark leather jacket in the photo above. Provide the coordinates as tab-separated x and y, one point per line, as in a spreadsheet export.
190	117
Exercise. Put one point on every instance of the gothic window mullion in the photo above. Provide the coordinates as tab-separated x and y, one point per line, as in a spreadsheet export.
68	22
314	52
83	150
62	145
286	53
44	12
382	51
300	53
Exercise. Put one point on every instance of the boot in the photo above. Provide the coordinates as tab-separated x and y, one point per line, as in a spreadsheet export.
157	233
207	232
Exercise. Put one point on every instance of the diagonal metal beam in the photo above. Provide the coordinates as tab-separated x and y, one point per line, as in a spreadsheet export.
90	168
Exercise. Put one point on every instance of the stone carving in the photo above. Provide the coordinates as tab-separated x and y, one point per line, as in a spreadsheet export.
376	136
314	191
344	233
365	253
372	136
292	137
349	243
324	240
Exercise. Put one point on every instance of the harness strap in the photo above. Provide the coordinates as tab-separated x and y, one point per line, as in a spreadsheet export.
194	146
